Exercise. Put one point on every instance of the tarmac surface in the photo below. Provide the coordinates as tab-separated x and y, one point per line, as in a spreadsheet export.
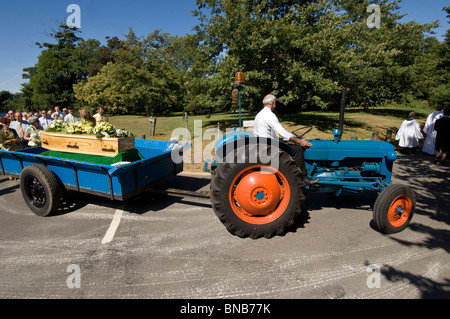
170	247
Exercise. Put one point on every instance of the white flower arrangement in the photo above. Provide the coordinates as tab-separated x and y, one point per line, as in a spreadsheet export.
102	129
123	133
81	127
56	126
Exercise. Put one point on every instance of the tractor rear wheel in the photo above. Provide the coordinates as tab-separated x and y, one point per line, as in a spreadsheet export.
394	208
255	199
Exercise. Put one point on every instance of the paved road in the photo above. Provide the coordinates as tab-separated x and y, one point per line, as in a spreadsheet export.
171	247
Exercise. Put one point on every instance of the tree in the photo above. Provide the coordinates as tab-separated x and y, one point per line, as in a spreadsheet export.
5	96
439	91
288	48
142	78
22	99
60	65
305	51
104	54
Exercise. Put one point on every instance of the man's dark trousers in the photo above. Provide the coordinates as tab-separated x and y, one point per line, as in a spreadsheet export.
299	158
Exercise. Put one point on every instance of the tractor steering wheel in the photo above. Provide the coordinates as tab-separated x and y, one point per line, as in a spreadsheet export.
308	128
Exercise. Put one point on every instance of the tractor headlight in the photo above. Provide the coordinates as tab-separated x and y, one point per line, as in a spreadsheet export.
391	156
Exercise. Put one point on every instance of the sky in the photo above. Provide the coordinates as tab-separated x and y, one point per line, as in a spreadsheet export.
25	22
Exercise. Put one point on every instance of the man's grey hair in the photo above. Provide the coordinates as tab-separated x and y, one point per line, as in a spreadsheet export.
33	119
269	99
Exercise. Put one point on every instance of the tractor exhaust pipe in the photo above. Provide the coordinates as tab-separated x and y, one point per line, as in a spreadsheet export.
341	113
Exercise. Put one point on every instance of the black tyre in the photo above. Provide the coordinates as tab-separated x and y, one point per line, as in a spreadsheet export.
255	199
394	208
40	189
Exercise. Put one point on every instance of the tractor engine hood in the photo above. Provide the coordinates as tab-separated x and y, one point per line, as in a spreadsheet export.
332	150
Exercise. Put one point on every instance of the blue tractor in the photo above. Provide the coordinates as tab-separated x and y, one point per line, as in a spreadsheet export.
257	189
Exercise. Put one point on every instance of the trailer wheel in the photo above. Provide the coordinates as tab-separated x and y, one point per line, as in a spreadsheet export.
257	200
40	189
394	208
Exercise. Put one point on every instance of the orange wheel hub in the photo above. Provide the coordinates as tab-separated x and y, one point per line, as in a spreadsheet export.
259	196
400	210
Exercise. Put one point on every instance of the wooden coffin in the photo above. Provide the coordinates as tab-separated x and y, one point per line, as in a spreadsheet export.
86	144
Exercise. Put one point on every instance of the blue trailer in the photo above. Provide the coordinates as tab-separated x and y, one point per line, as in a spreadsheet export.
43	178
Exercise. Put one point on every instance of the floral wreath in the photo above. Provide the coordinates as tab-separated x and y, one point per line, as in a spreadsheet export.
101	130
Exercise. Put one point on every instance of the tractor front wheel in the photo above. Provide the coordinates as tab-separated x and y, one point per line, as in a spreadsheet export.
394	208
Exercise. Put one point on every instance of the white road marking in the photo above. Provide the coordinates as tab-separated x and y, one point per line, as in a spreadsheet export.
113	227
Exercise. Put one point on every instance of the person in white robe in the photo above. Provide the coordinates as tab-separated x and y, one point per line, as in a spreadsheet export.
409	134
428	129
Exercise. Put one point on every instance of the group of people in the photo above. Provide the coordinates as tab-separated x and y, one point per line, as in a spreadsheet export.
20	130
436	129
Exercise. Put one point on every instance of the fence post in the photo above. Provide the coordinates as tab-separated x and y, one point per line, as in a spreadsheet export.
375	136
388	136
152	121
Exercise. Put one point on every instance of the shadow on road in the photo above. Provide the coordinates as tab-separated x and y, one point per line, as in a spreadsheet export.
431	183
10	189
432	186
160	201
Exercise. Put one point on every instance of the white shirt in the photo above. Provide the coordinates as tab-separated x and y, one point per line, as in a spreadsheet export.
15	125
266	124
44	121
100	118
61	115
69	118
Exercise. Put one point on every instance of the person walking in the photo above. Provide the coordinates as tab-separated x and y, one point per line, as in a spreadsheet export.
429	146
409	134
442	127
